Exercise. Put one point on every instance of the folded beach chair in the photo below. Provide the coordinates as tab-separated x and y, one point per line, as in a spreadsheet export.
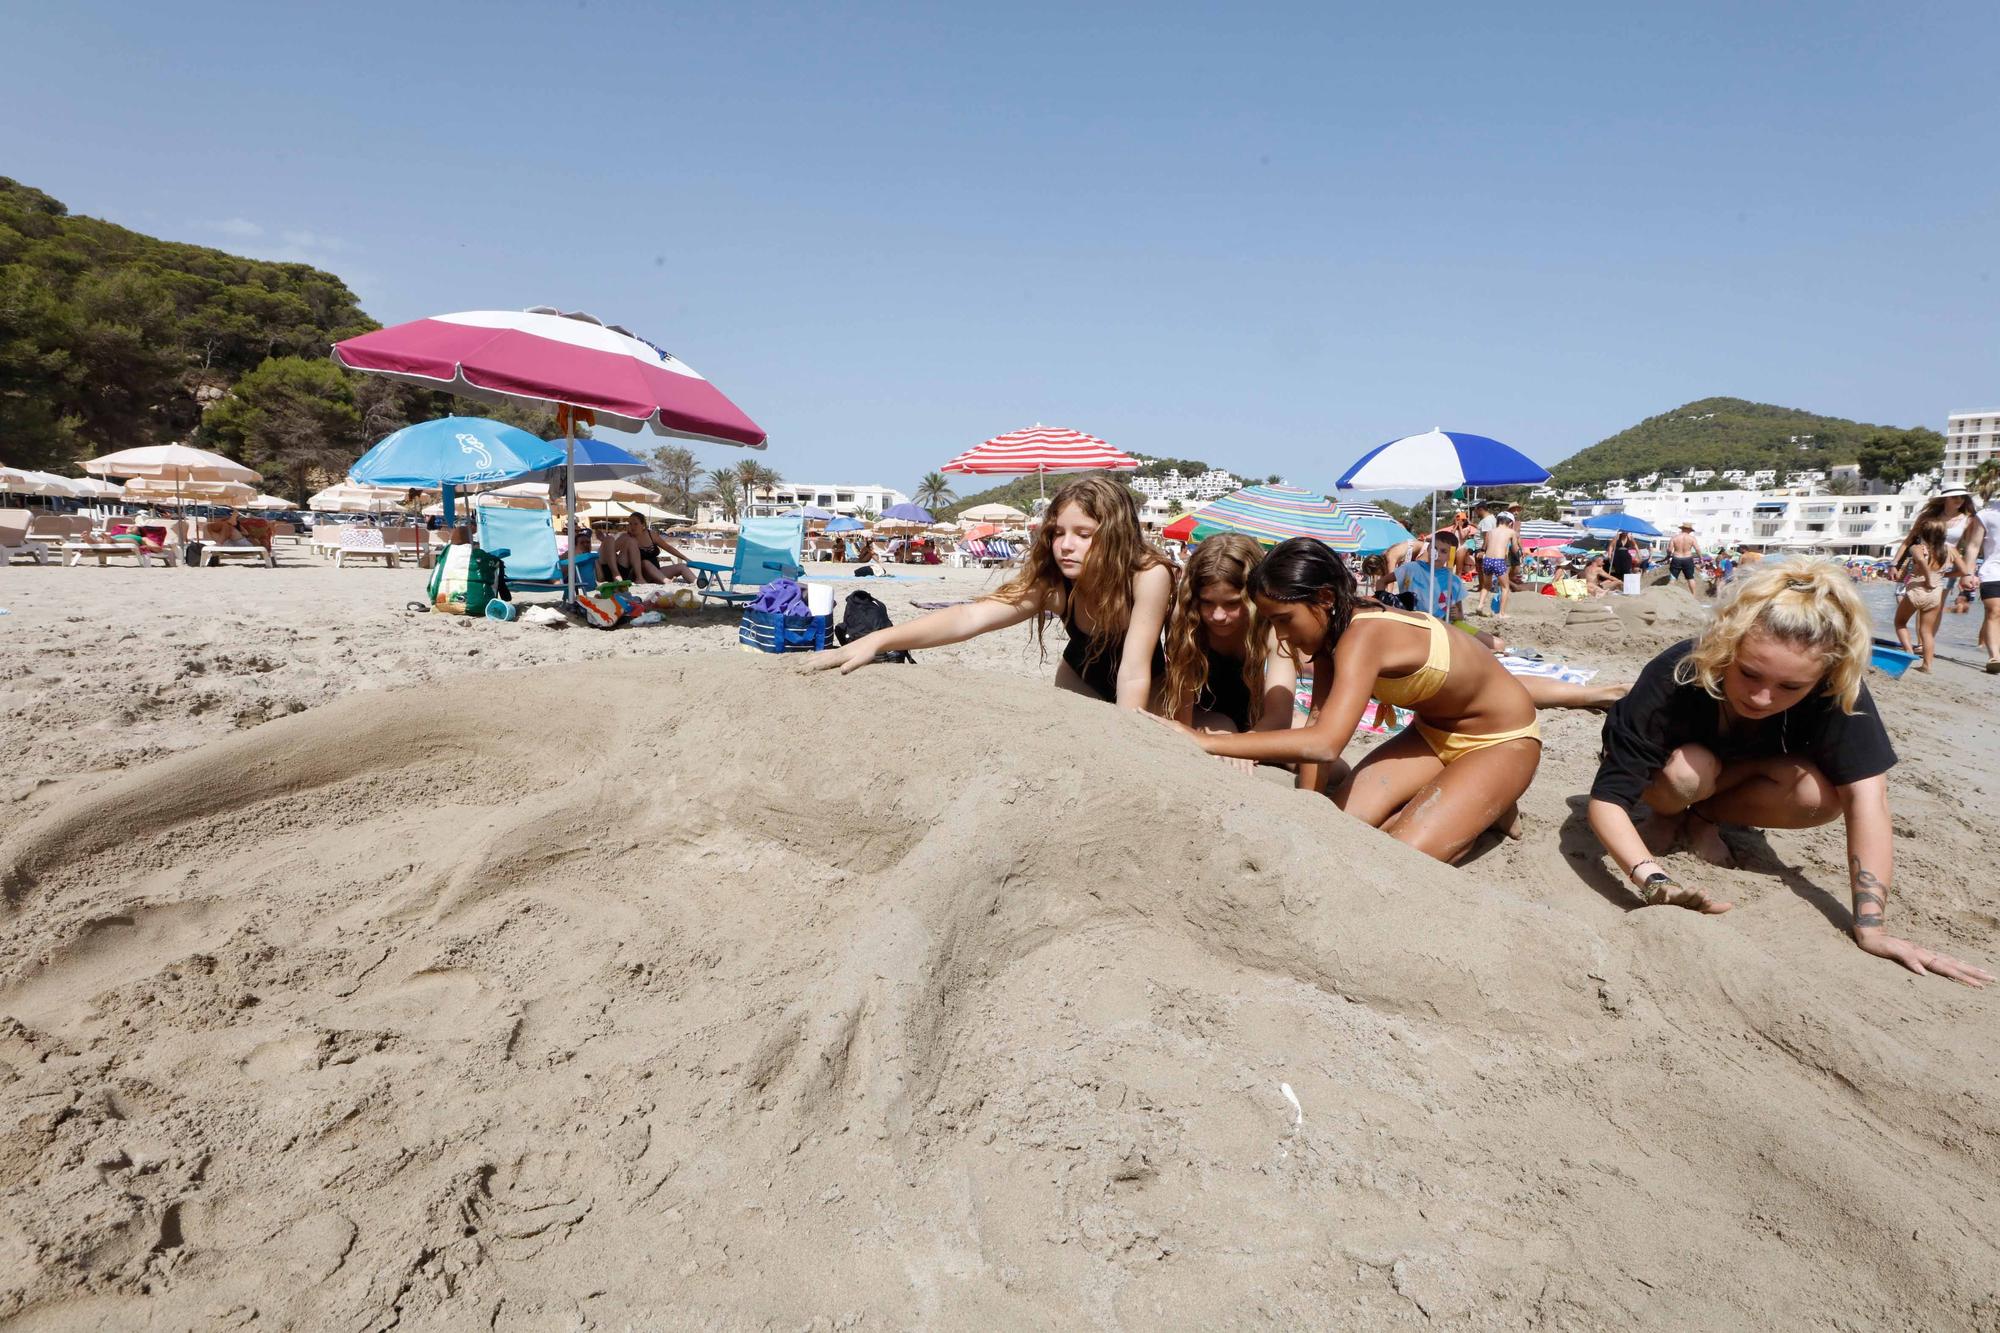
525	542
357	542
14	538
766	549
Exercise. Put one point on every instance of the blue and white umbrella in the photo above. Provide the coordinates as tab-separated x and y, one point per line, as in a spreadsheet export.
1441	460
596	460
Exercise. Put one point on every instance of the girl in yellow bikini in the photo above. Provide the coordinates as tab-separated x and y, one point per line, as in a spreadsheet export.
1456	772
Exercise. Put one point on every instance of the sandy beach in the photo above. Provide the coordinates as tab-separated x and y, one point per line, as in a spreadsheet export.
365	969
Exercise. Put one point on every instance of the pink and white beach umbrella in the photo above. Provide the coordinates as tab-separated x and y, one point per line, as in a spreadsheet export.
574	361
543	355
1042	450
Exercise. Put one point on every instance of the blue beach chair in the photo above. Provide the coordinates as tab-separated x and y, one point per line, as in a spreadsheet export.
524	540
766	549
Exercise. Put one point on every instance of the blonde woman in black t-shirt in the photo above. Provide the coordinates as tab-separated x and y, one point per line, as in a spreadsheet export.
1763	721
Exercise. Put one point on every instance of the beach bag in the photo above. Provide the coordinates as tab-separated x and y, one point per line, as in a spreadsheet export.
466	579
864	614
191	554
601	611
1573	589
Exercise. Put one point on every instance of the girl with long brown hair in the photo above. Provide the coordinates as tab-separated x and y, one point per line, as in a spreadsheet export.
1225	669
1090	566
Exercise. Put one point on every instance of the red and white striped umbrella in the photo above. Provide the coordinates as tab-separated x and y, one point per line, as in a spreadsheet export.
1042	450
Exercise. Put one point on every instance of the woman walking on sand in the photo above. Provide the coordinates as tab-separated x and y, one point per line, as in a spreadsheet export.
1436	787
1763	720
1091	567
1933	566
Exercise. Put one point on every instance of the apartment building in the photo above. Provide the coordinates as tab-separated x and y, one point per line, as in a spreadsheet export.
1830	524
850	498
1970	438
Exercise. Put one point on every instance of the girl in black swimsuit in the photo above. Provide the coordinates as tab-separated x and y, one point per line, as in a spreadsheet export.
1090	566
1215	680
639	555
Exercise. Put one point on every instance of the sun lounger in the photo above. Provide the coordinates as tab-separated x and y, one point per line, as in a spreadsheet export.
325	537
14	538
102	549
766	549
359	543
215	555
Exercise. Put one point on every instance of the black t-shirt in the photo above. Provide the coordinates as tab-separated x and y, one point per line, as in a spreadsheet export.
1659	716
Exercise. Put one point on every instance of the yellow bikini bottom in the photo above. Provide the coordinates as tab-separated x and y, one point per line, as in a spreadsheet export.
1451	745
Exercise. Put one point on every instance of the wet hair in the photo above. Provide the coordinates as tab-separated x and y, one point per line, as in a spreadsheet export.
1102	589
1806	603
1929	532
1300	570
1224	560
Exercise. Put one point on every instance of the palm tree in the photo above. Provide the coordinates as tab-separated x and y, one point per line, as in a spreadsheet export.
674	471
729	487
934	492
757	477
1985	478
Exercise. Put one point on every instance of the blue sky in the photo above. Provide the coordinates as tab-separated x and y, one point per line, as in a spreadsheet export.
1271	238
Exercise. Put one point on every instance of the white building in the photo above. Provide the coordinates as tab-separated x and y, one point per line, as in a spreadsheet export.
1970	438
850	498
1199	489
1830	524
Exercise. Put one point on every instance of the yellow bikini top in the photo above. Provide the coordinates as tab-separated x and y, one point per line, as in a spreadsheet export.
1411	690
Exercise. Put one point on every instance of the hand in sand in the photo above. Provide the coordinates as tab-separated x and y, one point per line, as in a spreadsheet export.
1660	889
843	659
1919	959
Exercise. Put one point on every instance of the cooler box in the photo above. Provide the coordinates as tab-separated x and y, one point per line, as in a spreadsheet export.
769	632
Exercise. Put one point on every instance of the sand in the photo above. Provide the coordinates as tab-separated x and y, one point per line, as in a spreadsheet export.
364	970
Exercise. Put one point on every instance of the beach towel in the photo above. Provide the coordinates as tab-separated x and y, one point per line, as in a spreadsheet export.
1522	666
1377	718
782	597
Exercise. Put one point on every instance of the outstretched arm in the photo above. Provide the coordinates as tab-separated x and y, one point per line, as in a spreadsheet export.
954	624
1871	866
1321	740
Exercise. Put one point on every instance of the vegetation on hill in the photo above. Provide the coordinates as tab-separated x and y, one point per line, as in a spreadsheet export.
1721	433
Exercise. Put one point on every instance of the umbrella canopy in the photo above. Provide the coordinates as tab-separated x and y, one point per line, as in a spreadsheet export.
1638	527
454	451
846	525
1180	530
169	462
979	531
93	486
1536	534
1379	532
811	513
596	460
944	529
1042	450
160	491
898	525
1272	514
991	513
26	481
267	502
1441	460
908	512
608	489
349	498
1365	509
545	355
618	509
723	527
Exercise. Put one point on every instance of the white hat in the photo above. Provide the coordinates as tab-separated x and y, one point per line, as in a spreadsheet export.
1949	491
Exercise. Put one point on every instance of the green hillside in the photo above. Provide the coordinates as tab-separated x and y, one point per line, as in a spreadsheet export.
1719	433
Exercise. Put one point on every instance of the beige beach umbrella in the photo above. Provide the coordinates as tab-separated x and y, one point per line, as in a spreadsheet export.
267	502
158	490
349	498
597	492
618	509
725	528
169	462
898	525
992	513
27	481
94	488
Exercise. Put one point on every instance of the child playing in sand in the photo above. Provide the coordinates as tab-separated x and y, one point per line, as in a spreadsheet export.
1225	668
1476	742
1763	720
1090	566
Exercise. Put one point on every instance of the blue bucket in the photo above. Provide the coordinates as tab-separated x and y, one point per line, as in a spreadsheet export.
499	610
1889	659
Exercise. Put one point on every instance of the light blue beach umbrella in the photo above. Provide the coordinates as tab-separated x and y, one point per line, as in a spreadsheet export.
454	451
1379	532
811	513
1638	527
846	525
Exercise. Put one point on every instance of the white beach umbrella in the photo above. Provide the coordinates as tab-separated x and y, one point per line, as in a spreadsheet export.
268	502
169	462
597	492
27	481
157	490
618	509
991	513
348	498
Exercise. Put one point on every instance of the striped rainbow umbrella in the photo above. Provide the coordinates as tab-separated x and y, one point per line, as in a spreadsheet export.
1379	532
1273	514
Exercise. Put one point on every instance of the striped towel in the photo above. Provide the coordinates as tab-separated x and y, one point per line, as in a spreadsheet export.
1572	675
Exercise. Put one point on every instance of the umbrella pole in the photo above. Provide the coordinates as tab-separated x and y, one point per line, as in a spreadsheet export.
569	502
1432	544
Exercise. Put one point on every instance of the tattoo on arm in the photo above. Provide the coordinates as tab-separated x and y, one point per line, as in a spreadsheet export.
1871	895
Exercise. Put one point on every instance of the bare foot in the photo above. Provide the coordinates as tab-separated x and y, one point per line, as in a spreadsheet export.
1705	837
1659	832
1509	822
1603	696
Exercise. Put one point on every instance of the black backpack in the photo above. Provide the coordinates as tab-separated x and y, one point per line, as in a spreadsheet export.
864	614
